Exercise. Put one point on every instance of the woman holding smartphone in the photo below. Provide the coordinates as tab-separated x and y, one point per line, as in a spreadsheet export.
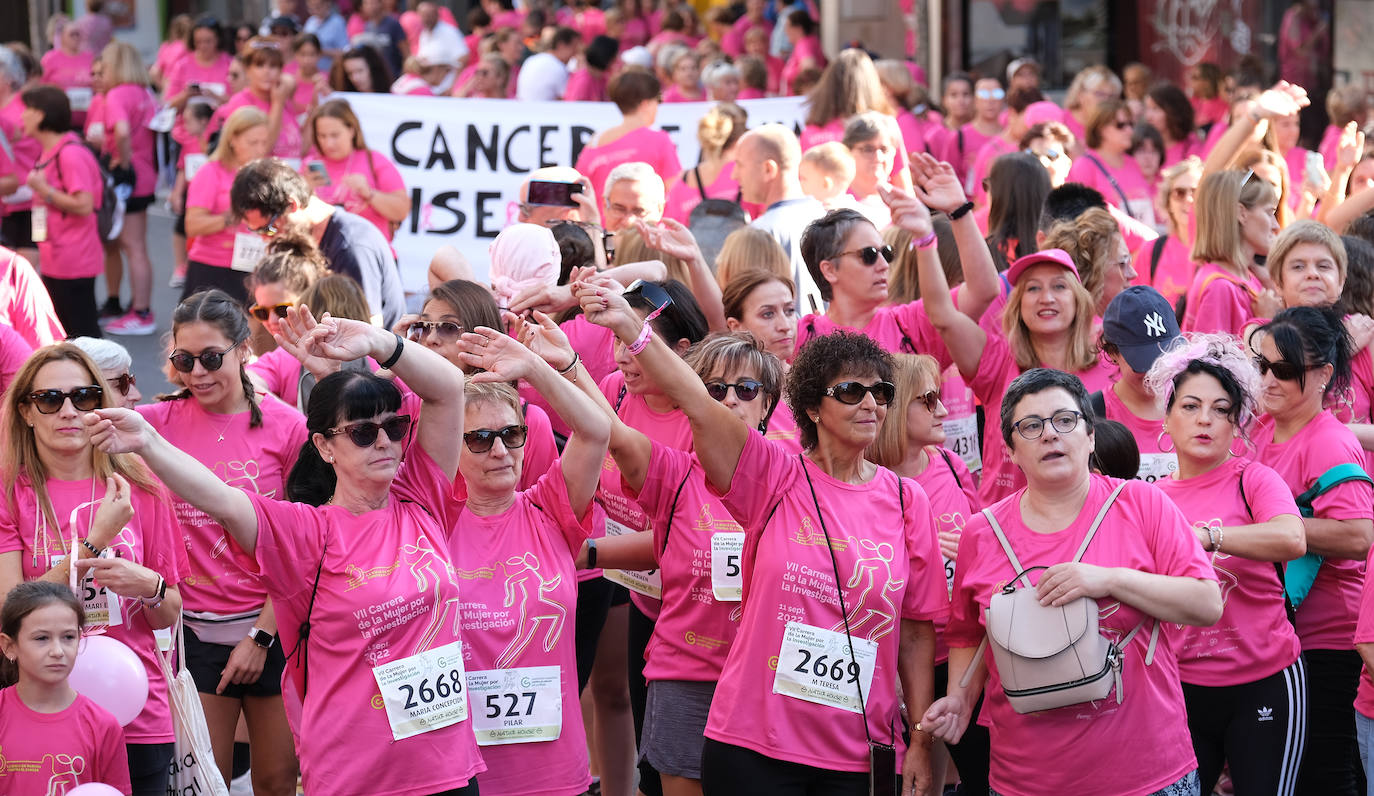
346	173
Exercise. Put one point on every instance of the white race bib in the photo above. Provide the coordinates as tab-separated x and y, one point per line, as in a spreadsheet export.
727	578
949	578
523	705
79	97
649	584
249	249
424	692
213	88
163	120
1142	210
814	665
193	164
100	604
961	438
39	214
1156	466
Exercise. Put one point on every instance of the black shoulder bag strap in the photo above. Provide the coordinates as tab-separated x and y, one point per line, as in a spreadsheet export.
701	189
881	757
1098	401
1157	252
944	454
302	647
620	398
672	508
1102	167
1278	566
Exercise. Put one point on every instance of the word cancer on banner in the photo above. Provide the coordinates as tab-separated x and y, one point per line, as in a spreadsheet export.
463	159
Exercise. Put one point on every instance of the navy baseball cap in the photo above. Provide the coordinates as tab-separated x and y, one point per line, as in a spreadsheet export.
1140	323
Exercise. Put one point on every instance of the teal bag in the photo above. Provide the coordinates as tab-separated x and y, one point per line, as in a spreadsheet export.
1301	573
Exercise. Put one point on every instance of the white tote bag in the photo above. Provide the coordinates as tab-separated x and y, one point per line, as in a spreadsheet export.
193	768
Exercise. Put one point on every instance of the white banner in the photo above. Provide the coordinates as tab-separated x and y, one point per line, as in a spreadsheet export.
464	159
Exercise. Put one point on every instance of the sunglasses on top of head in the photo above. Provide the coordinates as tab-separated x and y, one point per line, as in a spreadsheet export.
48	402
364	434
853	392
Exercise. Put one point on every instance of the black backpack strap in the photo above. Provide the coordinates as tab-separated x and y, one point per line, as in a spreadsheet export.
1278	566
944	454
1156	252
1098	401
302	647
672	508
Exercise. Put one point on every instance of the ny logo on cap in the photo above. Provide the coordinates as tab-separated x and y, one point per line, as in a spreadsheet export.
1154	325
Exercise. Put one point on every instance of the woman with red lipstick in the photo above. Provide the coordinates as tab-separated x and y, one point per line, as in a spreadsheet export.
1250	663
252	443
1304	357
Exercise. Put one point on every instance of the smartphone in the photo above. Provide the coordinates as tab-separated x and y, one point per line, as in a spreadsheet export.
553	194
1316	169
317	168
194	87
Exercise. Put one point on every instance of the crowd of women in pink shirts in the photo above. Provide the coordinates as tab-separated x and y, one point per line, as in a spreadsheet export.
518	543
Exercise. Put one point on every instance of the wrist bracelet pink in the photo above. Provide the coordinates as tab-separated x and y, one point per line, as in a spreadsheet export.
924	243
642	341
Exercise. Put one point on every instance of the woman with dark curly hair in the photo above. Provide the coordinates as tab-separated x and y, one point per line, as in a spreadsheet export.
839	560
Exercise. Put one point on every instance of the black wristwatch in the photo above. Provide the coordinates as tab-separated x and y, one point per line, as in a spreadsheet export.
262	638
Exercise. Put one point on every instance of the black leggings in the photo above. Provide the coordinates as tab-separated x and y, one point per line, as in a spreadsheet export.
1331	766
728	770
149	767
971	755
641	630
1259	728
594	598
469	789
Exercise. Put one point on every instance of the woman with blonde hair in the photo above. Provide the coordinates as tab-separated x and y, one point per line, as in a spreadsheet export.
1090	87
1095	243
746	249
210	222
1166	263
713	177
1235	222
130	157
127	543
348	174
848	86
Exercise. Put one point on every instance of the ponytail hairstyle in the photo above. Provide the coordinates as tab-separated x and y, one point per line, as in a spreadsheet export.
216	308
23	600
1312	337
338	398
294	261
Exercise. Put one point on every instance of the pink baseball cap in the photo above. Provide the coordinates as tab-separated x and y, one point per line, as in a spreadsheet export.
1043	111
1057	257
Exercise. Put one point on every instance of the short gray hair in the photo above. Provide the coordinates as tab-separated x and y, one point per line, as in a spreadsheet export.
11	68
669	55
107	354
634	171
719	71
868	125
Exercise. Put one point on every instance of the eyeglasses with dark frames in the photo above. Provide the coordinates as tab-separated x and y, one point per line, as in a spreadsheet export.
1033	426
364	434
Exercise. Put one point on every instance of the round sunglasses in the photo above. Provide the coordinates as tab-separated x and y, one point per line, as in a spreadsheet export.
123	382
852	392
746	390
446	331
481	440
264	311
83	399
185	361
364	434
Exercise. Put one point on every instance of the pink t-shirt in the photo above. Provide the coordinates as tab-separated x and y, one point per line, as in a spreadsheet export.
1209	111
73	249
1218	301
280	372
188	70
151	538
288	143
168	54
694	631
134	106
1364	634
1331	141
1181	150
671	429
808	48
961	424
54	752
67	71
676	94
954	500
590	21
733	40
1326	619
1155	463
1296	161
1144	531
255	460
897	328
14	352
644	145
26	149
95	116
993	149
1174	273
814	135
387	590
683	197
519	609
782	429
1354	405
24	302
375	167
1253	639
584	85
209	190
883	546
1131	191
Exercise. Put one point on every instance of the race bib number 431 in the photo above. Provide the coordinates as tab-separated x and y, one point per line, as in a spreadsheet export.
424	692
814	665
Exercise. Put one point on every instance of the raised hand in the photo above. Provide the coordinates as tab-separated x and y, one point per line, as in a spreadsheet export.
908	212
1350	147
935	183
604	306
500	356
1284	99
340	339
117	430
669	237
542	336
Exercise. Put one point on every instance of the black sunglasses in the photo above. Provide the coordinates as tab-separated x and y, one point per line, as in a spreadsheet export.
364	434
263	311
185	361
746	390
1283	370
652	293
447	331
84	399
481	440
852	392
869	254
123	382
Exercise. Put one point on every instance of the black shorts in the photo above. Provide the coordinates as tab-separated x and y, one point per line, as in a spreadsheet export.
207	661
16	230
138	204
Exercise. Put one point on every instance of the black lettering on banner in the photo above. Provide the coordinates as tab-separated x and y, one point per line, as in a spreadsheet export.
580	135
510	165
483	231
402	129
545	151
446	201
488	148
438	151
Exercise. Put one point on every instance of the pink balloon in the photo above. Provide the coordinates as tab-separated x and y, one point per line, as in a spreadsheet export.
94	789
109	674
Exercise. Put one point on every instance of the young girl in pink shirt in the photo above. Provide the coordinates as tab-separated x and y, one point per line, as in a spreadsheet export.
53	737
213	232
359	571
348	174
1249	663
1225	293
127	544
1304	356
252	443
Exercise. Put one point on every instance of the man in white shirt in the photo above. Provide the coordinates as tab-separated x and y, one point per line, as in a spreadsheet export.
440	40
767	162
544	76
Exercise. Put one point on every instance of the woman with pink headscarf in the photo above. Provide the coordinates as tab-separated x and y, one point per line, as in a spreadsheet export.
522	256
